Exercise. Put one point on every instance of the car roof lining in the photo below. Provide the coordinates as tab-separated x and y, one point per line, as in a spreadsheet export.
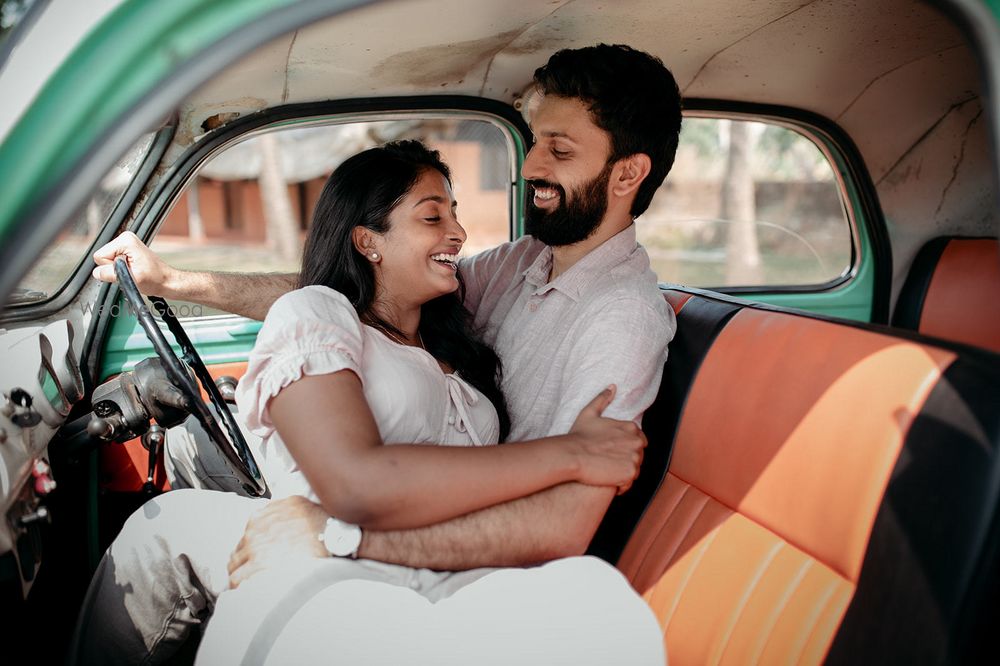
844	55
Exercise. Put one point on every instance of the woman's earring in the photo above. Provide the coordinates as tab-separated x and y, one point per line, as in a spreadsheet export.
374	256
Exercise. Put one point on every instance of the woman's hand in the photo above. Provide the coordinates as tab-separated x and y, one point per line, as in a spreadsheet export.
609	451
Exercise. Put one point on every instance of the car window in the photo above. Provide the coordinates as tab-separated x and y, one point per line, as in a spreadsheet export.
249	207
15	16
748	204
73	246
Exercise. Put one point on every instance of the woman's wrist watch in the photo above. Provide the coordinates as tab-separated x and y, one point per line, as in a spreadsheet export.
341	539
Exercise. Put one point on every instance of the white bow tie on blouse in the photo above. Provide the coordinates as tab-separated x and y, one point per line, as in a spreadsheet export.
463	396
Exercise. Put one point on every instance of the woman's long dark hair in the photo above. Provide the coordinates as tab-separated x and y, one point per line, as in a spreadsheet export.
362	192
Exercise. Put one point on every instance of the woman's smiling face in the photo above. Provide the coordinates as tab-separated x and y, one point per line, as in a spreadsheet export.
419	254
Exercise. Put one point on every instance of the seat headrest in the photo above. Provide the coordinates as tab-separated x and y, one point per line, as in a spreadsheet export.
953	292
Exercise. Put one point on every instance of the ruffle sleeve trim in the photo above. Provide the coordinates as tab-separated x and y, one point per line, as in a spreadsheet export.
310	331
278	371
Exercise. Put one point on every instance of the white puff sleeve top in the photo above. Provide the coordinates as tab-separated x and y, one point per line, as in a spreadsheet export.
314	331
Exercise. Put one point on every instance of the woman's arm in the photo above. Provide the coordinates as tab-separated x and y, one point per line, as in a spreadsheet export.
327	425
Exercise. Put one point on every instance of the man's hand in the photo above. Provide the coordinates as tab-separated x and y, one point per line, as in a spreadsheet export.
246	294
151	274
609	451
284	531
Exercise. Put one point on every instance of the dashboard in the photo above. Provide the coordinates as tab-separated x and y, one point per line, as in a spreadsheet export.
40	381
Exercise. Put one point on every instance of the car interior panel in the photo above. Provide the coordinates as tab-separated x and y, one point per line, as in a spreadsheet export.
822	477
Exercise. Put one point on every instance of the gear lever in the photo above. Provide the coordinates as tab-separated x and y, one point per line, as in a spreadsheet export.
153	440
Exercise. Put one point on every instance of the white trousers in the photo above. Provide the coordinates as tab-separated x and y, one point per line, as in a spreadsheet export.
578	610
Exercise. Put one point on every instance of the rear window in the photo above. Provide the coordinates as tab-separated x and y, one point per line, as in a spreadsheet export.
748	204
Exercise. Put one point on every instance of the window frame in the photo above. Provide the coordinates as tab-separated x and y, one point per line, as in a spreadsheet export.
855	254
75	280
871	258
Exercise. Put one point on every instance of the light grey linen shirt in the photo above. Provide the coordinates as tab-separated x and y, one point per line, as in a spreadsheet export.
562	342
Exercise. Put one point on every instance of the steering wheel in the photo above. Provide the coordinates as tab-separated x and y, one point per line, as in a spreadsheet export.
234	448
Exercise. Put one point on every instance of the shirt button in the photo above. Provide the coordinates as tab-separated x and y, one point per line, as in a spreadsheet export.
533	306
451	420
414	584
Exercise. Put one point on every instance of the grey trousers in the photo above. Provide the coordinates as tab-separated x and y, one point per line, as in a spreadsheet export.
160	578
192	459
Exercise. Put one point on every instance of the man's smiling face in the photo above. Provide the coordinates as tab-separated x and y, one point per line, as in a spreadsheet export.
568	170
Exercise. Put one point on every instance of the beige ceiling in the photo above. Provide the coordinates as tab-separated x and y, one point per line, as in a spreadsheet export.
842	59
833	48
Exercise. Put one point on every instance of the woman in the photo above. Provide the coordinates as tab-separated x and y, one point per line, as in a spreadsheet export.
375	348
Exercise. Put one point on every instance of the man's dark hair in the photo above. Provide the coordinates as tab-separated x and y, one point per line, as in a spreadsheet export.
631	95
362	192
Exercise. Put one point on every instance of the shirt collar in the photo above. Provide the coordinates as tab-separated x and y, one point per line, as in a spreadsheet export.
595	263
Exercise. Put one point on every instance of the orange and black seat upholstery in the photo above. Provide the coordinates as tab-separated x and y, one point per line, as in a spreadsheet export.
817	491
953	292
696	330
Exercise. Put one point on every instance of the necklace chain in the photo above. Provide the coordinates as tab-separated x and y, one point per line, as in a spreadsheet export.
399	341
388	332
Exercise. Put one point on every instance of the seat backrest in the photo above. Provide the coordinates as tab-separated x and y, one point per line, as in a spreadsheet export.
698	322
953	292
831	493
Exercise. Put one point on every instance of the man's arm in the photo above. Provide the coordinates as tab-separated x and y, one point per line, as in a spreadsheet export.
247	294
558	522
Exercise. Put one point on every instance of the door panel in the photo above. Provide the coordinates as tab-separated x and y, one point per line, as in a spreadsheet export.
219	339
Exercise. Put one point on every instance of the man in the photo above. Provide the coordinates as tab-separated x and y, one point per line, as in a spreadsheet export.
570	309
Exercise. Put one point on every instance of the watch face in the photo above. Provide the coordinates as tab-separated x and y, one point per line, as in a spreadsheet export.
341	539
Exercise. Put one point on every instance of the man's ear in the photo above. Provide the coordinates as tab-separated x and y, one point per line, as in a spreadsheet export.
629	174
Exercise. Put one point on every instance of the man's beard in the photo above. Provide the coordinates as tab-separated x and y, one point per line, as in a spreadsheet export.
572	221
